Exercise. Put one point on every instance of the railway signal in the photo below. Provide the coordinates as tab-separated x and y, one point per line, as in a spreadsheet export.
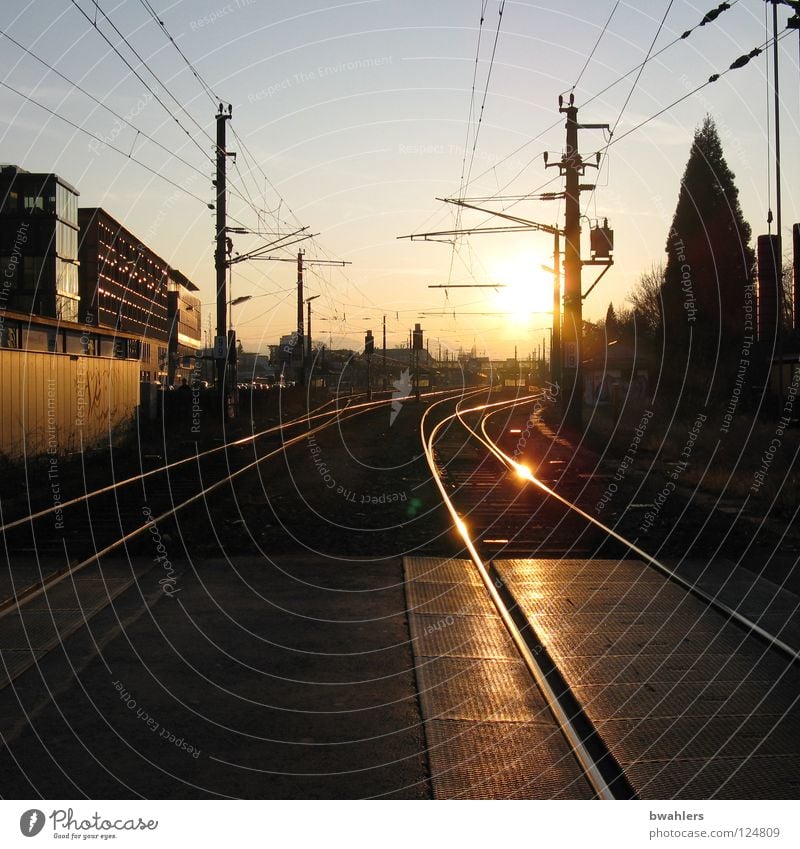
369	348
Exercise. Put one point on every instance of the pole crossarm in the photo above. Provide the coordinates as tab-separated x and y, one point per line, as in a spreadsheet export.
257	253
599	276
534	225
432	237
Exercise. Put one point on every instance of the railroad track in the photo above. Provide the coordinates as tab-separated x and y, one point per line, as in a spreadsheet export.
68	561
658	687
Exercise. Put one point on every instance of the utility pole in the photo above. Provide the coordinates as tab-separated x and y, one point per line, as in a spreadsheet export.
300	330
384	352
555	337
221	347
308	323
572	168
369	348
301	265
308	336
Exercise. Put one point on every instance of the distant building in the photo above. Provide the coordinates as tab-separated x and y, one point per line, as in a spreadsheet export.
123	286
38	244
185	330
618	372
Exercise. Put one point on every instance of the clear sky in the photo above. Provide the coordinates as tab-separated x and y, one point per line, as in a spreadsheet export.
357	116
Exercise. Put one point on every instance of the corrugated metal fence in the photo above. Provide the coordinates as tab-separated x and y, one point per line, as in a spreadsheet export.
56	403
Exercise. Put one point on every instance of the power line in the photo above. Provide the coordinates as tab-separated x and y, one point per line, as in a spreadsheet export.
596	45
100	103
486	89
158	80
735	65
630	94
108	144
139	76
203	83
208	90
592	98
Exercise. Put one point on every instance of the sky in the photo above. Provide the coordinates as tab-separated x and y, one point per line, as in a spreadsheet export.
352	118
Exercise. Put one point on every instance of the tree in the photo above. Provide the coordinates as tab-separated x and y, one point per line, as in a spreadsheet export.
709	266
645	300
611	325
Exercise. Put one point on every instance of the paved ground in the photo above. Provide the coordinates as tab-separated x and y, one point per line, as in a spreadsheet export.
264	668
289	679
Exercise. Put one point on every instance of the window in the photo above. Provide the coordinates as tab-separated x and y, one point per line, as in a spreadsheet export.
9	272
66	277
31	271
34	203
35	340
9	334
73	344
67	308
11	201
66	241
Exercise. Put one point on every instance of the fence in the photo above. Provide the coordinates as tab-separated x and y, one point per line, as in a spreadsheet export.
57	403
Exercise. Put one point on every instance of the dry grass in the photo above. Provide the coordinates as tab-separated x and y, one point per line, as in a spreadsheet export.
722	464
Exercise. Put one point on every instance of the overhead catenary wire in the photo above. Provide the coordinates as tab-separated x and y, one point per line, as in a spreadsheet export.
81	129
466	171
585	103
141	79
738	63
743	60
162	26
630	93
594	49
100	103
207	89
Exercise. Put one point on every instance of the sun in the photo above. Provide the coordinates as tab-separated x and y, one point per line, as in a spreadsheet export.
528	293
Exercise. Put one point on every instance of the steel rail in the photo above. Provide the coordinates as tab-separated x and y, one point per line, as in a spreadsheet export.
525	474
15	523
592	772
299	420
35	589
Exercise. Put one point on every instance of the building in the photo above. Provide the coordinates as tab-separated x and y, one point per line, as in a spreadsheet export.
123	287
617	373
38	244
185	344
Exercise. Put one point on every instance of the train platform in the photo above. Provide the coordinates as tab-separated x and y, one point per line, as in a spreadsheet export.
489	732
304	677
689	703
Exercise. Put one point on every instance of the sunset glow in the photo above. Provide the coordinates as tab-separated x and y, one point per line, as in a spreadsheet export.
528	292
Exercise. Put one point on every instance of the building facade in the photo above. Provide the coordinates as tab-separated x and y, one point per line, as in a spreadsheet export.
38	244
123	287
185	330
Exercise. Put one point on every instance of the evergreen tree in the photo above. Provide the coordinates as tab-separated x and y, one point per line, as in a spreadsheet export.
709	265
612	324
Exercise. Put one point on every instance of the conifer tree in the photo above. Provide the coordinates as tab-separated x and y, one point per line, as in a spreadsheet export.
709	265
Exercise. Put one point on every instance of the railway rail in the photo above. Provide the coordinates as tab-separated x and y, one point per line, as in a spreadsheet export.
54	554
658	686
